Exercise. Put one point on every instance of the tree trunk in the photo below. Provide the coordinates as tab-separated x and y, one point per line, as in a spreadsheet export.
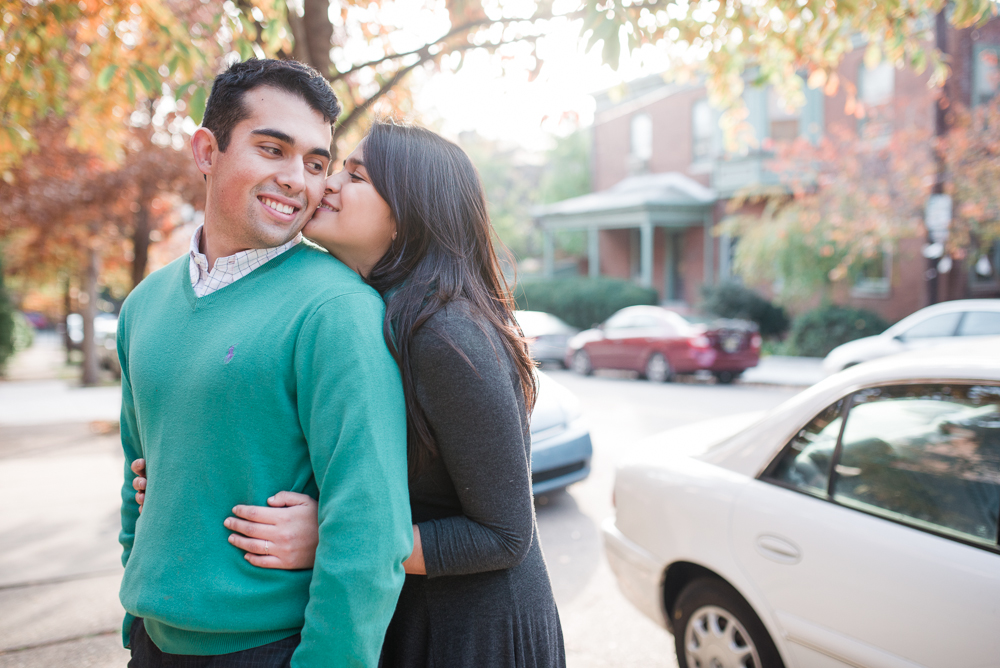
67	309
90	370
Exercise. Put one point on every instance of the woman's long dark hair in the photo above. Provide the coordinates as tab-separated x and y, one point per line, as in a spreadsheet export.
443	252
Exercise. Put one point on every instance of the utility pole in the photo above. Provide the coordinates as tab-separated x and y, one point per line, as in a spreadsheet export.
940	130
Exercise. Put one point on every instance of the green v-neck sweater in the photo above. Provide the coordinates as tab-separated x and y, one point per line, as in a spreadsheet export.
279	381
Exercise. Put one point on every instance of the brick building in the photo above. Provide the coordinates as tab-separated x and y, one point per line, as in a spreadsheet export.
661	180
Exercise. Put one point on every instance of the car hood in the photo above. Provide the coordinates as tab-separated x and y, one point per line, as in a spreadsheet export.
555	406
691	440
586	336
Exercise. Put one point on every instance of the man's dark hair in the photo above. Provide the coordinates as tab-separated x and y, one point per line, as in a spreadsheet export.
225	108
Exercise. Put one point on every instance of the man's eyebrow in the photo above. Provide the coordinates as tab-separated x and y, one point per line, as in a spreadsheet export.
277	134
283	137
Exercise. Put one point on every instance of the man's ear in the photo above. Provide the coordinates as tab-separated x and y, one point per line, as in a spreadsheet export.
204	147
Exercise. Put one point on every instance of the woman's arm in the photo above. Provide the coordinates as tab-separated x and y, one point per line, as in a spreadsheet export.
282	535
477	416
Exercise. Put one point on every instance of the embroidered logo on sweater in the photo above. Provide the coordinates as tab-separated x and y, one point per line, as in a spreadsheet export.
229	355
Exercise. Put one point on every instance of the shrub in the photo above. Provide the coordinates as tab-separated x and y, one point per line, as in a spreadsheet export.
732	300
7	324
581	302
817	332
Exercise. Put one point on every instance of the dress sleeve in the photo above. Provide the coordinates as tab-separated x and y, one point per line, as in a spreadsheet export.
476	415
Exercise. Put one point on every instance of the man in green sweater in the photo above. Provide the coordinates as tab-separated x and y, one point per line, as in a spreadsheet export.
256	364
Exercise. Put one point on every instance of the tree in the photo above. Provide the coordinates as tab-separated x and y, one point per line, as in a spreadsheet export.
840	205
971	157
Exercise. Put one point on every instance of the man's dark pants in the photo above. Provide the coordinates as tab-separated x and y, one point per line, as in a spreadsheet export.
145	654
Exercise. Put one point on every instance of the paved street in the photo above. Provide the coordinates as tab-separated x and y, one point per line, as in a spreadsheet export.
60	467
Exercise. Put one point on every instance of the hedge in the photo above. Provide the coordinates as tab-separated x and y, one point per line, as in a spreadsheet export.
581	302
732	300
817	332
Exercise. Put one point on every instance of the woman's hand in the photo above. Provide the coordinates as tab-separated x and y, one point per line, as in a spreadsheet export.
284	536
139	482
414	564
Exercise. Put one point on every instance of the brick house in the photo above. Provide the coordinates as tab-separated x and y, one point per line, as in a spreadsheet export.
661	181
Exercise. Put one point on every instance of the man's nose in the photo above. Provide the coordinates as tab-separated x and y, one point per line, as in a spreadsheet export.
293	177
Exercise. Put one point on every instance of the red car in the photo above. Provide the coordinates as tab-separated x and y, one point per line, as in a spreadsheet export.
659	343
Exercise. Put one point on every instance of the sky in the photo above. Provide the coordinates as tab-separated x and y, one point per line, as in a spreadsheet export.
492	95
508	107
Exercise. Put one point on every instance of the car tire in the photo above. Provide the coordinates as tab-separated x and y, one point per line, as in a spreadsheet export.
714	625
726	377
658	369
581	363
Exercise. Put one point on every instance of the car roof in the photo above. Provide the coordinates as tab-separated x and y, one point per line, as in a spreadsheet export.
976	361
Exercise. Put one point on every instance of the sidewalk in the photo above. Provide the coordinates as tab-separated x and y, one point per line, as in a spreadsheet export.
60	472
781	370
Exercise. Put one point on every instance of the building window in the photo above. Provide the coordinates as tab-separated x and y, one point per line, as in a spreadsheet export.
702	131
876	87
878	84
873	277
783	120
985	73
642	137
985	271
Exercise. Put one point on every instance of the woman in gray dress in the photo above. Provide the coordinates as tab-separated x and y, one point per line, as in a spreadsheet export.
408	213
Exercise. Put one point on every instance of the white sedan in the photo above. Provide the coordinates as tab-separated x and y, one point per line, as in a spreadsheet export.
855	525
964	320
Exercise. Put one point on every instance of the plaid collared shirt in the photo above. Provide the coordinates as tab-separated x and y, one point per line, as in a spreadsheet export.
230	269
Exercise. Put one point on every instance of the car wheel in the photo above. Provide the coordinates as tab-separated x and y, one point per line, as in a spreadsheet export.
726	377
658	368
715	626
581	363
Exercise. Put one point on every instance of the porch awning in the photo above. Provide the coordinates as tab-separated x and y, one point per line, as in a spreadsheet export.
645	201
670	199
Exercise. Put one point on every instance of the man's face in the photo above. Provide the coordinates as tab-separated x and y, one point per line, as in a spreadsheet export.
272	175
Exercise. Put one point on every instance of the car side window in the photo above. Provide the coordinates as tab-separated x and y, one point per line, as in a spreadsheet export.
933	327
980	323
805	462
927	455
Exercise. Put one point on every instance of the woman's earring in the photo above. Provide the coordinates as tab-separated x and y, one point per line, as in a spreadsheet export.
393	236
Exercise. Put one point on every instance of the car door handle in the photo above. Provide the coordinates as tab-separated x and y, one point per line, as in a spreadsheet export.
778	549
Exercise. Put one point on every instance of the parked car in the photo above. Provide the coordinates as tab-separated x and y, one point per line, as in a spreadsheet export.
659	343
547	335
105	339
560	438
854	525
931	326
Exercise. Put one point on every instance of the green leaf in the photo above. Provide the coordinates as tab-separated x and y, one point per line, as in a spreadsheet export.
104	78
196	105
148	83
129	87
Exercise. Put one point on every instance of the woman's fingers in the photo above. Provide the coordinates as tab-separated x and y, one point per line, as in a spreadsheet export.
138	467
264	561
252	545
258	514
139	484
249	529
285	499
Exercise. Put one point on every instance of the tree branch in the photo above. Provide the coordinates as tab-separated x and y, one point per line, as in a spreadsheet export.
466	27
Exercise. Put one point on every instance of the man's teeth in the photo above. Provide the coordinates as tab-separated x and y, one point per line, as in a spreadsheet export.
277	206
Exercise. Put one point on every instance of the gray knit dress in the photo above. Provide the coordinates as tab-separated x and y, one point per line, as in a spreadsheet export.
486	600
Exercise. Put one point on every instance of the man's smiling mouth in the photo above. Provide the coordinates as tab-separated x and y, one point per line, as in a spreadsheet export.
278	206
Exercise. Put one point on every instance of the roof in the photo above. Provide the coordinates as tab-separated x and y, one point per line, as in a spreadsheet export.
649	191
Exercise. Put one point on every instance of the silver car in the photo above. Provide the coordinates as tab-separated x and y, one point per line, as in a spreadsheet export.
547	335
963	320
560	439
